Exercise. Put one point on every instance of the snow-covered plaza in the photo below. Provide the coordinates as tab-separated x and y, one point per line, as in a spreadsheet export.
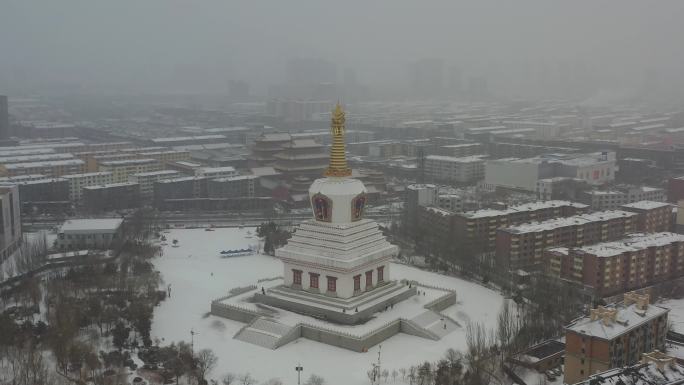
196	274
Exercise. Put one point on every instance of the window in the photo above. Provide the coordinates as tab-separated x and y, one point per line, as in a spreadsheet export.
369	278
296	277
313	280
332	284
381	273
357	282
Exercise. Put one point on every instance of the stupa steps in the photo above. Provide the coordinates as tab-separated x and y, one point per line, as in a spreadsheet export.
435	323
264	332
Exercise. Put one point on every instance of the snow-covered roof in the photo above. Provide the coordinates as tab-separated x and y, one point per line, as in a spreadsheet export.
186	138
453	159
235	178
627	318
437	210
639	374
212	170
633	242
109	185
646	205
127	162
155	173
91	225
524	207
555	223
50	163
87	174
462	145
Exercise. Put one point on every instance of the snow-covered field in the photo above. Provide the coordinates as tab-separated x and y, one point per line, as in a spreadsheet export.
188	270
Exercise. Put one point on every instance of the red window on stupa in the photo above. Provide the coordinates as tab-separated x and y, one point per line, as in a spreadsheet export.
332	284
369	278
357	282
297	277
381	273
313	280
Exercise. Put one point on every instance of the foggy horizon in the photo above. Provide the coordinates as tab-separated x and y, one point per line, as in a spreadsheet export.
530	49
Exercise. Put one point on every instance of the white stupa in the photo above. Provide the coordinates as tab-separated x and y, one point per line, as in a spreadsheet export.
338	253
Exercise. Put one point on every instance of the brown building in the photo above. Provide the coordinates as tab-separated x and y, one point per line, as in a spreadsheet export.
437	229
653	216
475	231
265	147
613	337
522	246
611	268
301	157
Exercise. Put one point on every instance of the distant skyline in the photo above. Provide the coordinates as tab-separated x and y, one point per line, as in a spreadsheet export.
532	48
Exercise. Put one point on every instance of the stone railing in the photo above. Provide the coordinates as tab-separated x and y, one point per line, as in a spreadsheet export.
270	279
234	312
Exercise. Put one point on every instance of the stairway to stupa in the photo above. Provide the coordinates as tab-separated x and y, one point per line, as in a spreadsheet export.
435	323
263	332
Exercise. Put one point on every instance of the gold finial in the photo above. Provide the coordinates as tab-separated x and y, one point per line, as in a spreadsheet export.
338	159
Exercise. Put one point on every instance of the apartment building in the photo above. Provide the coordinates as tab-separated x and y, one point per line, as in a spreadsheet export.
609	268
523	174
232	187
78	181
184	188
653	216
616	197
475	231
111	197
522	246
122	169
613	337
146	180
50	168
215	172
166	156
454	170
34	158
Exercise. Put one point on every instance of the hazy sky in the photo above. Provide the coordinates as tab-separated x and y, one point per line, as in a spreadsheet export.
198	46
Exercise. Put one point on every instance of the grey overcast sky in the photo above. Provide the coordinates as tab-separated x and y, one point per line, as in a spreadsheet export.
162	46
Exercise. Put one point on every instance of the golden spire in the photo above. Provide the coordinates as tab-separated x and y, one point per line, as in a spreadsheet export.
338	159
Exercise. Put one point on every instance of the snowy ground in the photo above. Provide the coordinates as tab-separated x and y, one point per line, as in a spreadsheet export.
188	270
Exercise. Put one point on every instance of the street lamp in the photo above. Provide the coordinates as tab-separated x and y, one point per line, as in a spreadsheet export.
299	370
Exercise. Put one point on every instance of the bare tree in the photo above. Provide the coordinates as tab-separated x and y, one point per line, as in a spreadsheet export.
506	332
247	379
228	379
205	361
315	380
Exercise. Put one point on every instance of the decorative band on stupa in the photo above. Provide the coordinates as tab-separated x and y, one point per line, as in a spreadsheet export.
338	159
